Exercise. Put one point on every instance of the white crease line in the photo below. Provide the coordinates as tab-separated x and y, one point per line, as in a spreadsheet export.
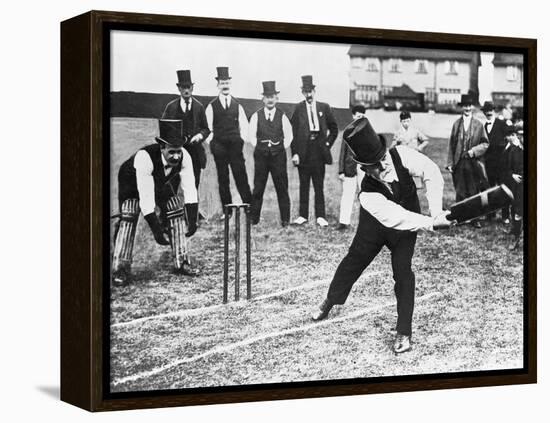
229	347
200	310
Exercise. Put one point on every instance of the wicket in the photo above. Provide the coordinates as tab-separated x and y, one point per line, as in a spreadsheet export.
228	210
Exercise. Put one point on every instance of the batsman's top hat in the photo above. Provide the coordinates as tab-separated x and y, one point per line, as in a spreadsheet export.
269	88
171	132
223	73
367	146
466	100
184	77
488	106
307	82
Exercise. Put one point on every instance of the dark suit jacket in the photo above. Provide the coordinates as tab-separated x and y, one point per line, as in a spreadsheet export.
328	130
475	137
497	143
200	126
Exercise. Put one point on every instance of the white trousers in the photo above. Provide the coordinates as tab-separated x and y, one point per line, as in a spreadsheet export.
349	189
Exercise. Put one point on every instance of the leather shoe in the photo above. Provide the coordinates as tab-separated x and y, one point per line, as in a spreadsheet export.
402	343
188	270
121	277
323	311
342	227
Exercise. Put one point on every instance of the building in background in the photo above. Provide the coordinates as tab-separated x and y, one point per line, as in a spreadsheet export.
401	77
508	79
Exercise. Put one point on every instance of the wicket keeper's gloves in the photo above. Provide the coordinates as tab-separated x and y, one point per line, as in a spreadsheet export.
156	228
192	212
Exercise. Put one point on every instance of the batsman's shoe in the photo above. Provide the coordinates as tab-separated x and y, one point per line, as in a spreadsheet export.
322	222
323	311
299	221
402	343
188	270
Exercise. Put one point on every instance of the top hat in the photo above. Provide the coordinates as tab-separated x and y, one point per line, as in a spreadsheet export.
488	106
223	73
269	88
466	100
367	146
184	77
171	133
307	82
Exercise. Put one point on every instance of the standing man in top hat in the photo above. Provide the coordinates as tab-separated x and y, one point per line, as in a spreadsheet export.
195	127
229	128
389	216
149	180
270	133
314	132
496	133
467	146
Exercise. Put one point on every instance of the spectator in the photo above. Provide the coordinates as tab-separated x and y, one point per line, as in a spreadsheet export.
513	165
408	135
467	146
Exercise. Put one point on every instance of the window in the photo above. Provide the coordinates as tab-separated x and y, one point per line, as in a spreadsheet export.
395	65
372	65
512	73
366	93
449	90
451	67
356	62
421	66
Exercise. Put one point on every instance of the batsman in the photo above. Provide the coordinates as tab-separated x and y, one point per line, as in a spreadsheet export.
389	217
150	180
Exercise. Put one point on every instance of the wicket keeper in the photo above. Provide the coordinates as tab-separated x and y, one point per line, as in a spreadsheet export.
149	180
389	217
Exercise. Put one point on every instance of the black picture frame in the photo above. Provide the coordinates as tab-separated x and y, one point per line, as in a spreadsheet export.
85	64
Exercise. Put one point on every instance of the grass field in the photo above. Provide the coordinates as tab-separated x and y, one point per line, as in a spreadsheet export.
169	331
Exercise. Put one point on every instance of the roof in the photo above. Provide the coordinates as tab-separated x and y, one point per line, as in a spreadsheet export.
413	53
507	59
404	91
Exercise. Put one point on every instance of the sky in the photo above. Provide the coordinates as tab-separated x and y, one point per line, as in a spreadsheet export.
147	62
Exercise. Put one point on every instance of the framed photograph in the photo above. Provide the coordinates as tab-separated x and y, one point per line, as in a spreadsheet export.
258	211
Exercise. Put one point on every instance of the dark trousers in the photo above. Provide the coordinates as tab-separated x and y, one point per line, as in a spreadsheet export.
229	153
264	164
494	175
196	166
360	255
314	172
469	178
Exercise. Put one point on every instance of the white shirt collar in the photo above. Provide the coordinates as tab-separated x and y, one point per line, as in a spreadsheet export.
182	103
223	97
268	112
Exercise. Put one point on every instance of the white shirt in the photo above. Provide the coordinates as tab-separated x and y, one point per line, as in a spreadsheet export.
313	124
489	125
391	214
243	121
185	107
146	184
269	114
466	121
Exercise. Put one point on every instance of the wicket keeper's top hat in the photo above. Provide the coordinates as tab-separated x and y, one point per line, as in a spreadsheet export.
269	88
488	106
171	133
466	100
367	146
307	82
223	73
184	77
